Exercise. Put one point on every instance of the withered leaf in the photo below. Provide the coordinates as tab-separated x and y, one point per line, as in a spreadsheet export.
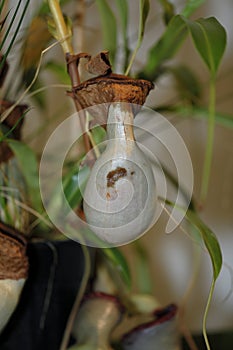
99	64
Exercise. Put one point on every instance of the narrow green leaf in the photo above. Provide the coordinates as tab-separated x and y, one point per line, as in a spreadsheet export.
10	25
109	28
74	184
2	5
119	262
188	84
206	234
3	21
210	241
144	11
29	168
5	211
123	11
168	9
209	38
38	98
53	30
15	33
165	48
214	250
225	120
143	276
98	134
190	7
7	133
200	232
60	70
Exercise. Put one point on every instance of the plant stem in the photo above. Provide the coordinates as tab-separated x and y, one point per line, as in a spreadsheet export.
132	58
63	36
210	142
144	10
206	314
92	141
61	27
138	43
143	277
184	301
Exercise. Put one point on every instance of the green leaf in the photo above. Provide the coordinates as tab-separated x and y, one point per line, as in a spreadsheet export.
190	7
60	70
53	30
200	232
225	120
3	21
39	98
99	134
74	183
208	35
209	38
188	84
209	239
109	28
2	5
119	262
165	48
29	168
207	236
143	276
7	133
123	12
214	250
168	8
144	11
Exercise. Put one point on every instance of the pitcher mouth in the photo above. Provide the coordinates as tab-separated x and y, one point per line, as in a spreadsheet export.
14	262
104	90
160	316
106	87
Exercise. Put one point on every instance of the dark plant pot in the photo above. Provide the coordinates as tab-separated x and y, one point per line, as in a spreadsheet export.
55	273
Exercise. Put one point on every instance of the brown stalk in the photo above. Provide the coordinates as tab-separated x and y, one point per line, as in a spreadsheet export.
72	68
64	35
